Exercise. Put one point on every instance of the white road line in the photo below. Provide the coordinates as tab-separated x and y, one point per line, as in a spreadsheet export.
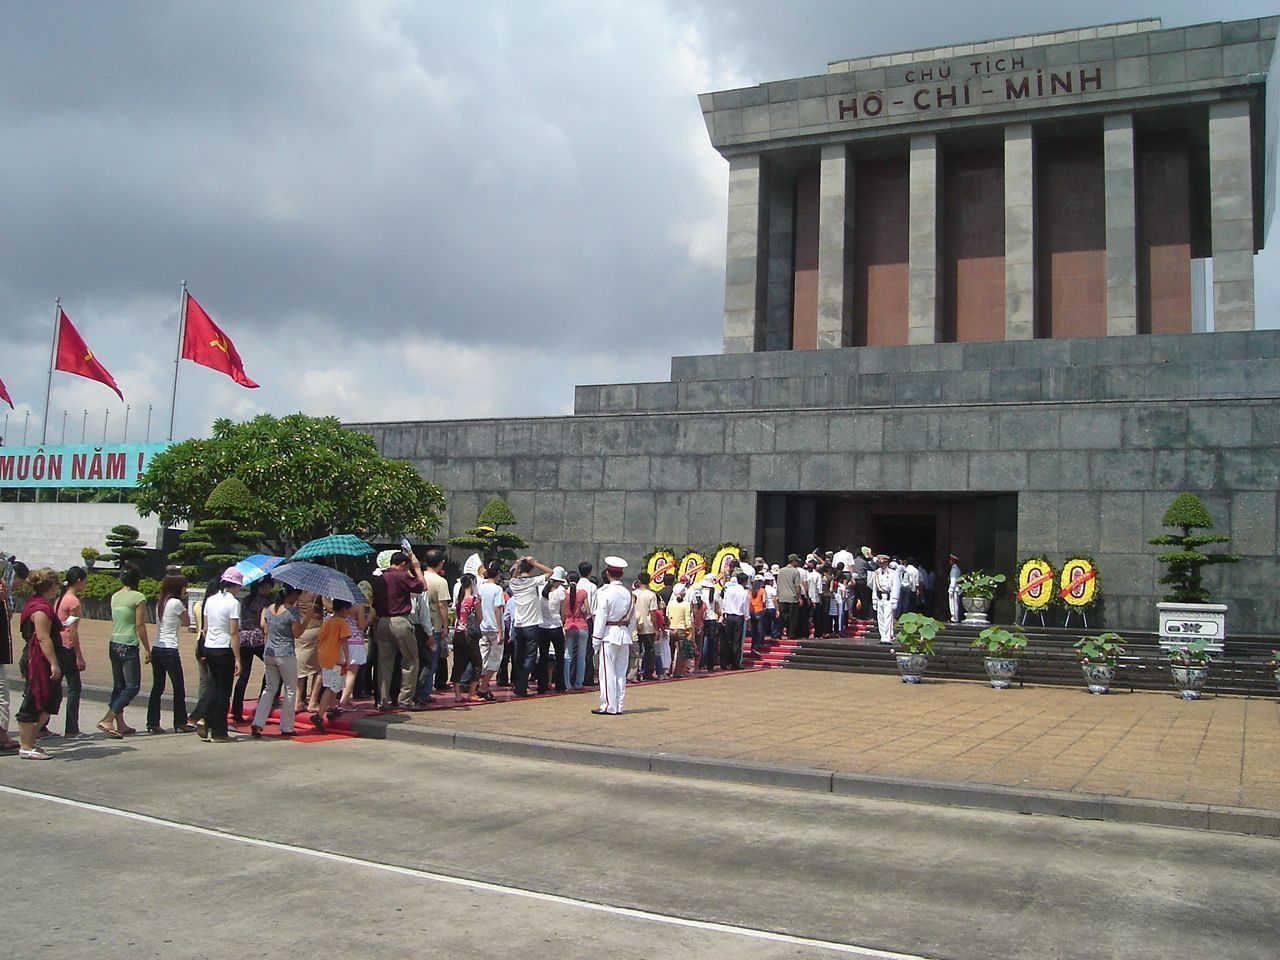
869	953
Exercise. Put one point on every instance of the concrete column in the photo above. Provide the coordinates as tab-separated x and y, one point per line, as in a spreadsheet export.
835	251
924	286
1231	214
1122	224
1019	232
746	267
781	278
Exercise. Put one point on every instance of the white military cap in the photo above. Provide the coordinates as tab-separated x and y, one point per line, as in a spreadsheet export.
615	565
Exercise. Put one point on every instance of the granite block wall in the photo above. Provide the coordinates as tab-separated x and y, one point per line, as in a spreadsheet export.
1096	436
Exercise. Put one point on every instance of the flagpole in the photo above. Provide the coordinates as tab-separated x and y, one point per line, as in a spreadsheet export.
53	358
177	360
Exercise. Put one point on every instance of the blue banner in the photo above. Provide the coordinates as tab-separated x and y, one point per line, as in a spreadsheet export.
79	465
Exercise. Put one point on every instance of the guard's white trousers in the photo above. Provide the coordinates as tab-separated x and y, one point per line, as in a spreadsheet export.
884	618
953	597
611	673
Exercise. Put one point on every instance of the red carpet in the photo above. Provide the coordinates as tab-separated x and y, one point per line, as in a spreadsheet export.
340	727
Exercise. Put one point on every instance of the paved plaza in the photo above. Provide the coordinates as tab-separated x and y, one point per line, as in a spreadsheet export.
1221	750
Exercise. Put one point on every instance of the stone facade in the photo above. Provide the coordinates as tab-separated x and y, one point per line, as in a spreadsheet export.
1094	436
1100	98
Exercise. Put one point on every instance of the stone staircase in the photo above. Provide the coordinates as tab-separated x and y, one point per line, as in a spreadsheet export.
1049	658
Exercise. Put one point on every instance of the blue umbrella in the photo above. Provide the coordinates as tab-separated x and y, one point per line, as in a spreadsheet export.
338	544
320	580
258	566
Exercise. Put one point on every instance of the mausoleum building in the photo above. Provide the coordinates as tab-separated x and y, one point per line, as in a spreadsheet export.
994	298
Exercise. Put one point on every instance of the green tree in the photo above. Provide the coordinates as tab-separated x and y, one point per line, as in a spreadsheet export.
221	538
308	476
124	545
1185	565
488	537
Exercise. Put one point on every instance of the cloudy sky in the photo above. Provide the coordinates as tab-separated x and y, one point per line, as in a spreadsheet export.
400	208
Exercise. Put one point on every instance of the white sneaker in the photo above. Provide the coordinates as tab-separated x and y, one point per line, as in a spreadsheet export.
35	753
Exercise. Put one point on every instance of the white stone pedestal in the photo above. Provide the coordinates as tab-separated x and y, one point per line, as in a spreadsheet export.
1184	622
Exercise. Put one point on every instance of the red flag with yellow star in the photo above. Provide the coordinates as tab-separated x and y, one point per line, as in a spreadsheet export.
74	356
203	342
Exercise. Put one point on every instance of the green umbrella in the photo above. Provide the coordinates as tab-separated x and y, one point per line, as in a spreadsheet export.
334	545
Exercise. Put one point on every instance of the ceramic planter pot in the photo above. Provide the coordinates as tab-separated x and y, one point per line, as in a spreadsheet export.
976	609
1189	680
912	666
1278	679
1000	670
1099	676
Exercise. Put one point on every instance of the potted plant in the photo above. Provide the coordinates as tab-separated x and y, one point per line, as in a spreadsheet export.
1274	665
90	556
915	633
1098	657
1001	647
977	588
1185	612
1189	664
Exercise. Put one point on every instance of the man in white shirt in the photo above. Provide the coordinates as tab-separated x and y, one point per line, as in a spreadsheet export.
526	593
885	585
709	596
843	559
492	606
611	631
735	605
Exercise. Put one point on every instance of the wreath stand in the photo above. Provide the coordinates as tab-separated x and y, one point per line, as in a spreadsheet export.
1026	615
1073	611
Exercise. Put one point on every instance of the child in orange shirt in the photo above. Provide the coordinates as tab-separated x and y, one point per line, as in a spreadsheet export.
332	655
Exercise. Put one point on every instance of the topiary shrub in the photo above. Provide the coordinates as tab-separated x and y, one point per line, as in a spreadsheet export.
124	545
1185	565
488	537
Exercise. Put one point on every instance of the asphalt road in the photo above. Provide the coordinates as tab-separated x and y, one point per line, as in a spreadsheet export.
377	849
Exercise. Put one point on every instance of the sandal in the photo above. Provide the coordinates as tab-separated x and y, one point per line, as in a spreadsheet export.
111	732
127	730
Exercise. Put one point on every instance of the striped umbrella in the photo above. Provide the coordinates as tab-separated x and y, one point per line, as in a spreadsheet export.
258	566
334	545
320	580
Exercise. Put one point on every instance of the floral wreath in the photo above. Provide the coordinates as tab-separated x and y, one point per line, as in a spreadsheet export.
1079	584
692	568
724	552
1036	583
661	567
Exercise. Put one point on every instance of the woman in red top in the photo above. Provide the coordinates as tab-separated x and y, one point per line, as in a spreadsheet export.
574	613
43	632
466	640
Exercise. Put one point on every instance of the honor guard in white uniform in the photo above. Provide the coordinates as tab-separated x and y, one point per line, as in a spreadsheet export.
611	631
885	586
953	589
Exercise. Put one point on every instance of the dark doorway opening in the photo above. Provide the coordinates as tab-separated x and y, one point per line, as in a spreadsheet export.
981	528
906	536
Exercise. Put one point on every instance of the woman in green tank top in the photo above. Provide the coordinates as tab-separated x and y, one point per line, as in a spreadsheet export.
128	633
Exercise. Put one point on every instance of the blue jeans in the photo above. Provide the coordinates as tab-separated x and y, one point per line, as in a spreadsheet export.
427	675
525	659
126	675
575	657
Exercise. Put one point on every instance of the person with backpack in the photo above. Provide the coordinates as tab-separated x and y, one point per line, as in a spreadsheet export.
466	641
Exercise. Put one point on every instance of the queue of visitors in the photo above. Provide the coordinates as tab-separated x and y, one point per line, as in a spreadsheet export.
524	626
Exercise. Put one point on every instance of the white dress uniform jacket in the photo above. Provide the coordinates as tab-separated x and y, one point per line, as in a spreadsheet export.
611	630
